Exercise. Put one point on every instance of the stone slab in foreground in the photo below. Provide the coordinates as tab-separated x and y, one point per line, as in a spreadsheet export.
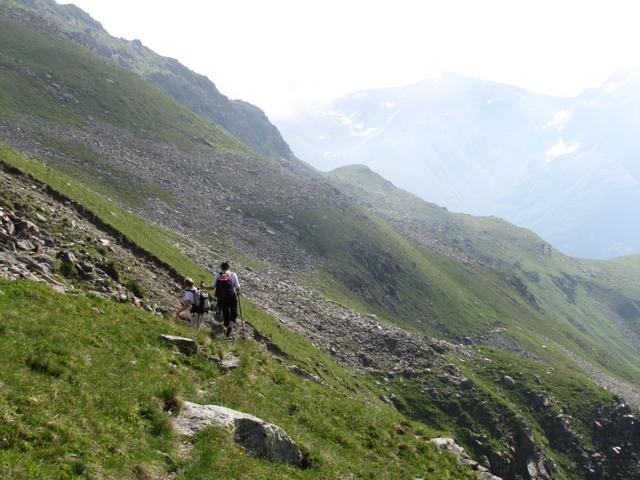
185	345
258	437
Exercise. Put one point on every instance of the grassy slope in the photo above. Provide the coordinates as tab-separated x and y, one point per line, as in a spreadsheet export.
620	287
115	96
208	453
356	433
82	394
444	295
338	438
103	91
437	295
573	314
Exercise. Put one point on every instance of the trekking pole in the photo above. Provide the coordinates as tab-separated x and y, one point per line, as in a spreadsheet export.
241	319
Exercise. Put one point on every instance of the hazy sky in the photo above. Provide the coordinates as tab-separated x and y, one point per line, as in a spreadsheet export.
282	54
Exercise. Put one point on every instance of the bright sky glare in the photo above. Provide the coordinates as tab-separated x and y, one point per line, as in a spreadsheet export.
285	54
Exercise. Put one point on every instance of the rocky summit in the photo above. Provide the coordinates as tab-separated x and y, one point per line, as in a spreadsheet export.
378	335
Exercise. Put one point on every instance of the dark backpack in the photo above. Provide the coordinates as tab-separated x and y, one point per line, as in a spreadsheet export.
224	286
201	302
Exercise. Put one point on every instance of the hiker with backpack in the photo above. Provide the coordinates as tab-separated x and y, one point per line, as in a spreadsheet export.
227	288
197	301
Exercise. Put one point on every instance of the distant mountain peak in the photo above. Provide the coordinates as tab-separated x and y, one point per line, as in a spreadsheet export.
564	167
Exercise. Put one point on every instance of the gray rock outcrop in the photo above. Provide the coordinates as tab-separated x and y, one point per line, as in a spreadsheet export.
258	437
449	444
229	361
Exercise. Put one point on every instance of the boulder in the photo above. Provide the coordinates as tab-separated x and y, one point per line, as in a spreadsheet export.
304	373
229	361
258	437
26	228
447	443
25	245
10	228
536	469
67	256
526	442
185	345
508	381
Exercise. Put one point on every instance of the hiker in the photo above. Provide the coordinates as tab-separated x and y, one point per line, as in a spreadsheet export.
227	289
190	302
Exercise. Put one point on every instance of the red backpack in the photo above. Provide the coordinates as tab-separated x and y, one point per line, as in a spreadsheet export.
224	286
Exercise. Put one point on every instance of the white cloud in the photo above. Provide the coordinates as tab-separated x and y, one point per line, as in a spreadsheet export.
301	64
613	85
560	149
388	105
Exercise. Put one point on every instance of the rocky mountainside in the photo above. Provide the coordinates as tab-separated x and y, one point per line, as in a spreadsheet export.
563	167
48	238
528	263
74	342
195	91
468	325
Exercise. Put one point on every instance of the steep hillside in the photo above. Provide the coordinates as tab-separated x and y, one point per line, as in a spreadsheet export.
289	220
91	361
563	167
196	92
582	300
188	194
515	424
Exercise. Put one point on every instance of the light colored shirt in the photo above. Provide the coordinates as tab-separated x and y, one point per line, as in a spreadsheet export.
234	280
190	295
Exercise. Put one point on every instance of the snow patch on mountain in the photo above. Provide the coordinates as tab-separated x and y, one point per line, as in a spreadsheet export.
560	149
559	120
363	133
349	121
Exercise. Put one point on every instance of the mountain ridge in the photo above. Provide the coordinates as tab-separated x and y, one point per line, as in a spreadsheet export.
197	92
561	166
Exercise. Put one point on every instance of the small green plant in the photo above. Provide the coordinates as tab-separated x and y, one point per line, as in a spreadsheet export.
6	203
158	421
170	401
67	269
42	363
140	472
134	287
111	269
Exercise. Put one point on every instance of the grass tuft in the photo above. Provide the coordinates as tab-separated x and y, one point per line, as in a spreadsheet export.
43	363
134	287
